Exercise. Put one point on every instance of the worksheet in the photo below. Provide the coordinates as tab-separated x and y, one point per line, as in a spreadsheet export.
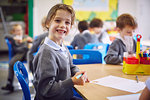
120	83
125	97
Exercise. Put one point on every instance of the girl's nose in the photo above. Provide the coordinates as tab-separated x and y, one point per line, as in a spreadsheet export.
62	25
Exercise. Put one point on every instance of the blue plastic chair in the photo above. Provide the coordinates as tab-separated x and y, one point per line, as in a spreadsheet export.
10	50
94	56
70	47
22	76
103	48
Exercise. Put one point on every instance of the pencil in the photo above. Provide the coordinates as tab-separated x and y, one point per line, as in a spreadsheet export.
137	79
77	77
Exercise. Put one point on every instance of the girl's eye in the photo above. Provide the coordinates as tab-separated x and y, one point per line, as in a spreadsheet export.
67	23
57	21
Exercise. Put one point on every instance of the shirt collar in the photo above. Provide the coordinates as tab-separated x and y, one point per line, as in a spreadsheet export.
53	45
85	31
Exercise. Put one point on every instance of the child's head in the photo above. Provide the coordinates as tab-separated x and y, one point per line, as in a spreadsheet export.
126	24
82	25
43	23
59	21
17	29
96	25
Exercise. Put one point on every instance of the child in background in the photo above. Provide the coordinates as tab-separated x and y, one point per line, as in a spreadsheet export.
145	95
84	37
19	43
55	75
96	26
126	25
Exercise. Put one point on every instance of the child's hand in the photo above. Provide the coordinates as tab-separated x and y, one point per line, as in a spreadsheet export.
29	39
17	39
81	80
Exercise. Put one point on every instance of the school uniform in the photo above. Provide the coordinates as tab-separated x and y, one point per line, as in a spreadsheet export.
88	38
53	71
36	43
104	38
78	41
116	50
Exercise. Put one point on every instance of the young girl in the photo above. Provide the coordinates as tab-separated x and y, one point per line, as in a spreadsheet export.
55	75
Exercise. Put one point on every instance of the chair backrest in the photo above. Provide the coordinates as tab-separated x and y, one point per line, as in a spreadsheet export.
70	47
10	49
103	48
94	56
22	76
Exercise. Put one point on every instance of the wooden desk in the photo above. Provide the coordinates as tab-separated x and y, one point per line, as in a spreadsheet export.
92	91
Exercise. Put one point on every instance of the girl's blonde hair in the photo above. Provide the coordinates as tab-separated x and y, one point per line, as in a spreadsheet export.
53	10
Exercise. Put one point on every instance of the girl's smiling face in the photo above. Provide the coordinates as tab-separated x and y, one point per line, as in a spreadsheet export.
60	26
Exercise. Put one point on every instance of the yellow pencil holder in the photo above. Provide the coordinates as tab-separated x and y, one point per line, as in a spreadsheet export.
134	66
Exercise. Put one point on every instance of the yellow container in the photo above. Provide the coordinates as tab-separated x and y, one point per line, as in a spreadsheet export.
146	69
141	69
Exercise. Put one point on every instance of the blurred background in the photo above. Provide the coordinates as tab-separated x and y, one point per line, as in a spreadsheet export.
29	13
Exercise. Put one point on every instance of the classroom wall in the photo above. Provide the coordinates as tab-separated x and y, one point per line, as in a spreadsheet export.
127	6
138	8
143	18
41	8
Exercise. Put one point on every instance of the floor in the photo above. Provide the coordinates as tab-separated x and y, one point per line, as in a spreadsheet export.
5	95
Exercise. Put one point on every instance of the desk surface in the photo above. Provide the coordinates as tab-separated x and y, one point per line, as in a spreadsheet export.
92	91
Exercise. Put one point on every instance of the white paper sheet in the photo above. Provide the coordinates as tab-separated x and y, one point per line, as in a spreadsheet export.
120	83
125	97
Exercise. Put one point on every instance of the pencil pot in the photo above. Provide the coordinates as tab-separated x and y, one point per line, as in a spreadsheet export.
145	64
130	65
130	68
145	60
145	68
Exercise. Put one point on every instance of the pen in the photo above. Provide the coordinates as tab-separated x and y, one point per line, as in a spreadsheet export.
137	79
78	76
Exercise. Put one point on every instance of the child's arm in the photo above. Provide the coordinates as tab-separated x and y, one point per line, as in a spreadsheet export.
74	69
113	54
145	95
74	42
50	82
75	72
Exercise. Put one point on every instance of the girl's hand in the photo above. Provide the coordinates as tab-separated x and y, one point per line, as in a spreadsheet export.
81	80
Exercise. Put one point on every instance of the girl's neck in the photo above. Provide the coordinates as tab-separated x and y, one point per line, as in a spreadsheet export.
59	42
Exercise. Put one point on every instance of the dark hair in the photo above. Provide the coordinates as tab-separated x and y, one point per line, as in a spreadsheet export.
53	10
83	25
96	23
126	19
